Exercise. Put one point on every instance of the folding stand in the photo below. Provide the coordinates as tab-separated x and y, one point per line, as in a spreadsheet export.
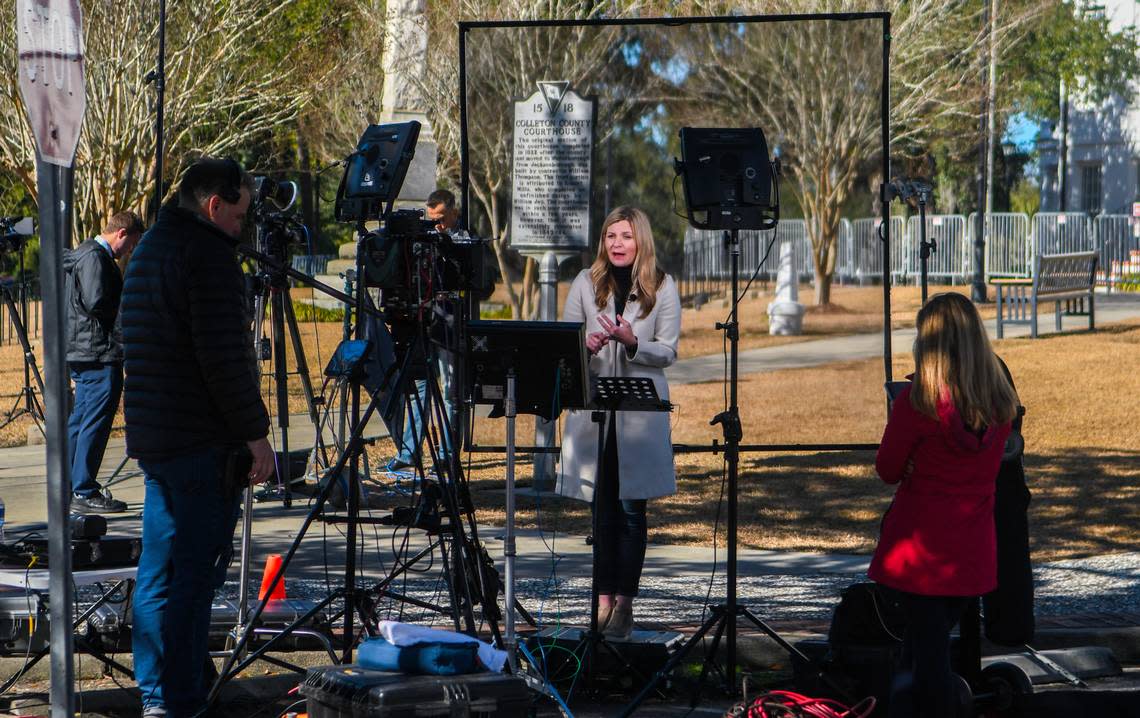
550	359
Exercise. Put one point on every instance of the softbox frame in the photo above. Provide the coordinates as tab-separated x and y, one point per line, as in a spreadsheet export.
884	231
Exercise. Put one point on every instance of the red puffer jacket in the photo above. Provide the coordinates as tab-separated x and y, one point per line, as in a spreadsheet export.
937	538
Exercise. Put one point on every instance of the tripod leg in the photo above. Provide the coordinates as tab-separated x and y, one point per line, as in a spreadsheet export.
26	346
710	659
302	363
112	480
355	446
716	619
278	298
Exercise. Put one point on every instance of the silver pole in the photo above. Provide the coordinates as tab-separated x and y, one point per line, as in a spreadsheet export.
246	544
544	431
509	536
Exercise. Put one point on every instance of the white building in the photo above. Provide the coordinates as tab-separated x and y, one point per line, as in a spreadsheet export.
1102	168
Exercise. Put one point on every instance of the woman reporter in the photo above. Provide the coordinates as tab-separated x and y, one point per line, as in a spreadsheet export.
632	313
942	445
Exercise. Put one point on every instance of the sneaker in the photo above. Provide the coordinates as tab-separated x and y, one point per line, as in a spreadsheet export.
100	503
397	464
154	711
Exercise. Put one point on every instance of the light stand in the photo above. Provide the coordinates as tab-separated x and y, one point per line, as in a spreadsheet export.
723	618
925	248
921	191
746	197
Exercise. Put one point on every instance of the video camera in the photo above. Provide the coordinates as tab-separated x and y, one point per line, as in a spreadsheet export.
407	256
15	232
271	206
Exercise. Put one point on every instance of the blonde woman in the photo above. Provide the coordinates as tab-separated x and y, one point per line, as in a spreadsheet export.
632	313
942	446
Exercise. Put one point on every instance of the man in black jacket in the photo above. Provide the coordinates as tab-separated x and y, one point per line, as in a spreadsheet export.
194	416
95	354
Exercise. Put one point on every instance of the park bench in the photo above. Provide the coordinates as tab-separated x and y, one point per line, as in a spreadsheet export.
1057	278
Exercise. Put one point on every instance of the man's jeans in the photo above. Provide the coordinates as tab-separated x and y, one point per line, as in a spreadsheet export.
98	387
189	517
408	449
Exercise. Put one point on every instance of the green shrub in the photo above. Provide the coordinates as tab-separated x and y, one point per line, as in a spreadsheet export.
312	313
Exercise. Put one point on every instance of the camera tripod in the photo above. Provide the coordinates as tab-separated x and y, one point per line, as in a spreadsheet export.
27	403
467	570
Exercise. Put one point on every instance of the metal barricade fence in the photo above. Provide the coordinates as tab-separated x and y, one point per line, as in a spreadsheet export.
949	261
311	264
707	267
865	248
1014	239
1009	253
1061	233
1118	247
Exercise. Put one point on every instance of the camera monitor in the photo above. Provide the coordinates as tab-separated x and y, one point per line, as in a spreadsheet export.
549	359
374	173
728	178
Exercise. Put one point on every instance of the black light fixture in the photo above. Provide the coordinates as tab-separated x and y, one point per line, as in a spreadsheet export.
730	183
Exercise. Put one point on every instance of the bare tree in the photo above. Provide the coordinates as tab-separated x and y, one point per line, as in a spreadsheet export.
814	87
224	89
502	66
350	97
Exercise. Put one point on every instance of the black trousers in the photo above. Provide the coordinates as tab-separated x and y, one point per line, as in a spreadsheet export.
932	692
621	531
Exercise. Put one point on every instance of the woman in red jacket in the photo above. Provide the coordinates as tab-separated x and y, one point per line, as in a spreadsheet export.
942	446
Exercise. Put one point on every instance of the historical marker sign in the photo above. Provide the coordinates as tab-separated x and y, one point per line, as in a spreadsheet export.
553	149
50	46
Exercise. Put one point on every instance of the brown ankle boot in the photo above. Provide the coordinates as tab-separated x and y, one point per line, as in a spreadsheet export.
620	626
604	614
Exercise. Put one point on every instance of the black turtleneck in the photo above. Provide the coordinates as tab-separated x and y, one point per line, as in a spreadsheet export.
623	283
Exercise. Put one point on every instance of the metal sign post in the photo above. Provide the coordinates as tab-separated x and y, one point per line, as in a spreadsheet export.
51	79
552	157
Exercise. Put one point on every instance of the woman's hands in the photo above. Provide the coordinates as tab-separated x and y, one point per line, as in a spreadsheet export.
595	341
621	330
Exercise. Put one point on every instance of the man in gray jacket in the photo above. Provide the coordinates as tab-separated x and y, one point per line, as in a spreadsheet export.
95	354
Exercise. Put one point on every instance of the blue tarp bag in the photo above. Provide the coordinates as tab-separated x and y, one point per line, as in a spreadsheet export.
432	659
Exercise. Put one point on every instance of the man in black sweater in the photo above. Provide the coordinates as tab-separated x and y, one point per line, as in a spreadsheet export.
94	287
195	421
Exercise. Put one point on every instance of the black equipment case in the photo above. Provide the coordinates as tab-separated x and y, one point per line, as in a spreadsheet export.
355	692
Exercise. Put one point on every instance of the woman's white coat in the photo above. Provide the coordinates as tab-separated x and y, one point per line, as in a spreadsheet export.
644	439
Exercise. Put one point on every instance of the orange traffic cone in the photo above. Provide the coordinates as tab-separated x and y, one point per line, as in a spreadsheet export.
272	566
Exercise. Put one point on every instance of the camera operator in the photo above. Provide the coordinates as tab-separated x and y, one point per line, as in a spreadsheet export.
194	416
444	212
95	354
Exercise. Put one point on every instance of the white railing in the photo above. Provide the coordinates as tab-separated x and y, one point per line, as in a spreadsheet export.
1118	243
